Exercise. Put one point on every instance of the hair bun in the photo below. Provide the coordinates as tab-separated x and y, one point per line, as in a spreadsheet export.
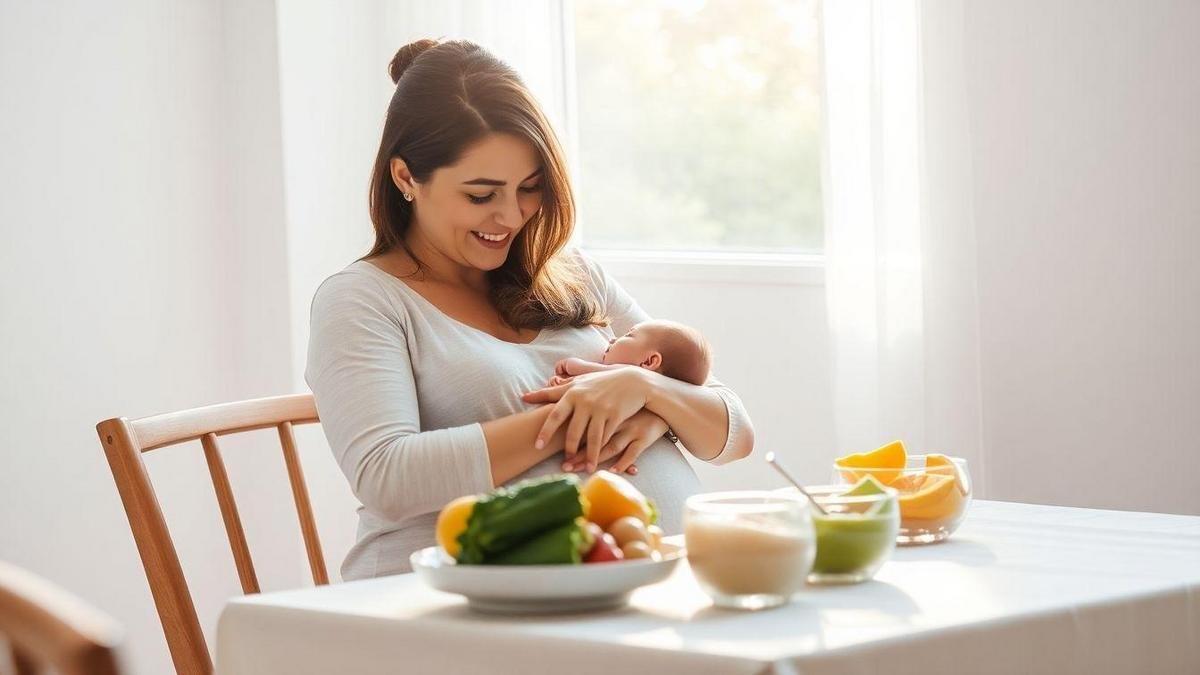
406	55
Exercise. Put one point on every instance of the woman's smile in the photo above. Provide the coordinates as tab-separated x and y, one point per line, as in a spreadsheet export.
492	240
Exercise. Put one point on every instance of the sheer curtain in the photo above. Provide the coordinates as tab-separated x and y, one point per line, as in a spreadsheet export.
873	221
900	241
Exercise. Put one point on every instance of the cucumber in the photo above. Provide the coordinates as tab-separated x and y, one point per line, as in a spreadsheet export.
511	516
562	545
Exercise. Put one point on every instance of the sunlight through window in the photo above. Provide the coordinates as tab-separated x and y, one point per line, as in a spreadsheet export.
699	125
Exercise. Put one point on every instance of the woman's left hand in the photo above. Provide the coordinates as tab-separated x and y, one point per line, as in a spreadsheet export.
631	439
596	404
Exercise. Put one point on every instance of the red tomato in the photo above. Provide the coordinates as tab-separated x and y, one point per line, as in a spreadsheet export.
604	550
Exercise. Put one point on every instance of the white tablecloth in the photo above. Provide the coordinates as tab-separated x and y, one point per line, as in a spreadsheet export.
1019	589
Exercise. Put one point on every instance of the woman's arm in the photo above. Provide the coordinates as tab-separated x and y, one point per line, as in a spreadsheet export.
361	375
711	422
712	426
510	443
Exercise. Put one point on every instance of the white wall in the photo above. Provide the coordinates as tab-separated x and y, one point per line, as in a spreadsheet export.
142	270
1086	169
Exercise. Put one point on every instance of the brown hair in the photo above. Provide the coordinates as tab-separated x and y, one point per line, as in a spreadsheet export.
448	96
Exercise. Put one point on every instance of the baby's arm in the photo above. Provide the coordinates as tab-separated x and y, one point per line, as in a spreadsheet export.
575	366
568	368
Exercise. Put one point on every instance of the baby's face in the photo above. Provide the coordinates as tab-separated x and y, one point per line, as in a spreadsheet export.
631	348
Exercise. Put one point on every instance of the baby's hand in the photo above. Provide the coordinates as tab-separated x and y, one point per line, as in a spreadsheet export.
556	380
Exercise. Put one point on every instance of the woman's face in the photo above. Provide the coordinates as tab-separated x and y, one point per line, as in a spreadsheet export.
471	211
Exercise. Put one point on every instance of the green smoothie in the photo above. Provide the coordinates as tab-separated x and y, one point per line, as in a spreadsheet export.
855	538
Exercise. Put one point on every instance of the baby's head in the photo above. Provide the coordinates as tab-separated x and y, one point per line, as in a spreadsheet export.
666	347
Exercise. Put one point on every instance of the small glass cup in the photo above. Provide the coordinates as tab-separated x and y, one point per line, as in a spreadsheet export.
933	497
749	549
855	536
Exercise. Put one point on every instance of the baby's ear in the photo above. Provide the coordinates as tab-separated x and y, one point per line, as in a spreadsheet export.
652	362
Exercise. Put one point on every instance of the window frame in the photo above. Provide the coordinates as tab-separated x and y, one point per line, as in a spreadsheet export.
677	265
734	268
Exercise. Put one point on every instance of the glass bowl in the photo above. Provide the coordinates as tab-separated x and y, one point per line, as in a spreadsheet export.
749	549
933	497
855	536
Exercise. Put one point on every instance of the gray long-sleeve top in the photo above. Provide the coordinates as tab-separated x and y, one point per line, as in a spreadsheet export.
401	389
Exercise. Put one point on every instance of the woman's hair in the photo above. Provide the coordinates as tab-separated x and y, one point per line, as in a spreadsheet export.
450	95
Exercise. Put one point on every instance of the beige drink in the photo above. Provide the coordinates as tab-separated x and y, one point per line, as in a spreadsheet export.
750	550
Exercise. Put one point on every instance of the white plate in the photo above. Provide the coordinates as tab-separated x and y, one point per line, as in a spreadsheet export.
530	589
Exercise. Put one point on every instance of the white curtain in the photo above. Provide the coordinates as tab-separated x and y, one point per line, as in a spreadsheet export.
873	221
900	238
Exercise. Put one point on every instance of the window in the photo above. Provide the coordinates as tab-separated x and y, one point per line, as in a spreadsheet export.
698	125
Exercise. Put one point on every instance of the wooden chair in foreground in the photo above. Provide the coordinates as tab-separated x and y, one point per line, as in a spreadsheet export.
125	440
46	627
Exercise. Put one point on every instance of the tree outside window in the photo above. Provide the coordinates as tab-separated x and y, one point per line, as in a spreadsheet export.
699	124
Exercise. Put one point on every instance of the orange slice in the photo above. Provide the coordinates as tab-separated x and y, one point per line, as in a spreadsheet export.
944	466
928	496
910	483
891	458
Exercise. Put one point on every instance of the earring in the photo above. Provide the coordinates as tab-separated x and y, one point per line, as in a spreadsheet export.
407	197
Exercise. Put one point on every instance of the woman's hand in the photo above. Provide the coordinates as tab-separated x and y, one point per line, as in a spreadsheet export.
631	439
596	404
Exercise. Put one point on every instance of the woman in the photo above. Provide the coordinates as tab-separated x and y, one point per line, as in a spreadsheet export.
427	356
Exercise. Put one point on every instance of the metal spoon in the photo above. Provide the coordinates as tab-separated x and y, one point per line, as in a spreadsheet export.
779	467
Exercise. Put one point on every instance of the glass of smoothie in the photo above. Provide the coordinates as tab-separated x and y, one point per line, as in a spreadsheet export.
749	549
934	491
855	536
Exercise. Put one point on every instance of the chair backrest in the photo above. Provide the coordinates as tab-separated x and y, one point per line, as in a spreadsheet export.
125	440
46	626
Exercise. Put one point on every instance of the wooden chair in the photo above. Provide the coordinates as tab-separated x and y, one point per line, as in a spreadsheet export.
125	440
46	626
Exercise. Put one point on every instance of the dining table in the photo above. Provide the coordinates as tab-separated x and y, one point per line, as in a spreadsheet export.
1018	588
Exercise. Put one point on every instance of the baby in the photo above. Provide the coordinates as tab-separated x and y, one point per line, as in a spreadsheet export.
665	347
